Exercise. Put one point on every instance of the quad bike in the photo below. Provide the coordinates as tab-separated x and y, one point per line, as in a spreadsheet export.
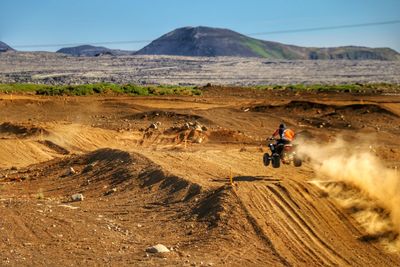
287	155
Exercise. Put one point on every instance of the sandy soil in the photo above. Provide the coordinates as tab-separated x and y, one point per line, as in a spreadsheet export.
171	185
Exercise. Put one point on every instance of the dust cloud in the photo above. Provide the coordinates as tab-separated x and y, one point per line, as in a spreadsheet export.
352	174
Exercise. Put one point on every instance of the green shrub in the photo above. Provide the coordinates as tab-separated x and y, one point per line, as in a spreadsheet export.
99	88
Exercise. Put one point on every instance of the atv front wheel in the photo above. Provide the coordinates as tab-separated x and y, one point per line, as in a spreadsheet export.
266	159
276	161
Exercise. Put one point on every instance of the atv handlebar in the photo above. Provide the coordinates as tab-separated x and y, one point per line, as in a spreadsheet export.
269	141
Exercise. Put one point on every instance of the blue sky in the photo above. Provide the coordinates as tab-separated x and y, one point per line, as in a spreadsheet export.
32	22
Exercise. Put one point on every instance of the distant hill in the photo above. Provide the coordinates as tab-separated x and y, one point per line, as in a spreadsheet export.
210	42
92	51
4	47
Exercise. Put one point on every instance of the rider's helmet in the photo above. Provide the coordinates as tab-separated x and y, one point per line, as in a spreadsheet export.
282	126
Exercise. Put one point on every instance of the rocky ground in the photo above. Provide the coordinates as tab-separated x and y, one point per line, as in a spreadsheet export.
179	181
52	68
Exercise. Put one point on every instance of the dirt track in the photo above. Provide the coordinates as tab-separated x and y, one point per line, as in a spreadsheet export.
165	186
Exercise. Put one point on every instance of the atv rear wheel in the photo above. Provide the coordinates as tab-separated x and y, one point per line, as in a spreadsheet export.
297	162
266	159
276	160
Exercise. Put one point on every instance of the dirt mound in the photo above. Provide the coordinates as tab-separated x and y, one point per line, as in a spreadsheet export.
129	203
188	132
12	130
193	132
354	116
53	146
293	106
319	108
359	109
162	115
95	173
229	136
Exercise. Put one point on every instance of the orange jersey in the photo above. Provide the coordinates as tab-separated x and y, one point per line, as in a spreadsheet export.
288	134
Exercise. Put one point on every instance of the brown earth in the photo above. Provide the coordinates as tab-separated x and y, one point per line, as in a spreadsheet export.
145	186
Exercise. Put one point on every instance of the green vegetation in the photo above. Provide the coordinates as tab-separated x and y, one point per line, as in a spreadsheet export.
270	50
99	88
257	47
160	90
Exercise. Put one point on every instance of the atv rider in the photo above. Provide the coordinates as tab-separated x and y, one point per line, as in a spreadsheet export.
285	135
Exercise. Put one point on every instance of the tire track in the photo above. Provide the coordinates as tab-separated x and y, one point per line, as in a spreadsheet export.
290	231
260	233
296	218
305	227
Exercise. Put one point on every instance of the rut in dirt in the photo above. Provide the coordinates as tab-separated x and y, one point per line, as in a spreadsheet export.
300	225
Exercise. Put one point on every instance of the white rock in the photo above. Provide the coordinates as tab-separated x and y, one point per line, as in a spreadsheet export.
159	248
68	207
70	171
113	190
77	197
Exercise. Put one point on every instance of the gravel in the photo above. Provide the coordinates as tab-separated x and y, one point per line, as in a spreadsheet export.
54	68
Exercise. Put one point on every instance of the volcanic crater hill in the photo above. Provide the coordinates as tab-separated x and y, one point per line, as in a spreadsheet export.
4	47
211	42
91	51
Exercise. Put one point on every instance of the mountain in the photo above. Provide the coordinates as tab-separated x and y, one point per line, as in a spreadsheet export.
353	52
211	42
92	51
4	47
